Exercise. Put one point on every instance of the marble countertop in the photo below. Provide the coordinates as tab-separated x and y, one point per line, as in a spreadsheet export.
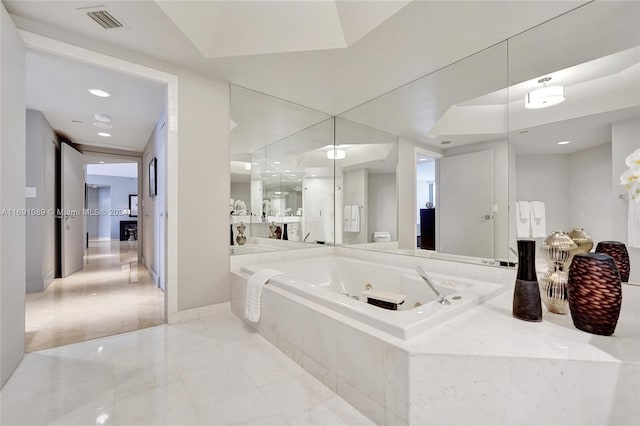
491	330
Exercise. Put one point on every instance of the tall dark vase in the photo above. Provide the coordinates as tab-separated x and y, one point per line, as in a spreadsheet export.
527	304
620	255
595	293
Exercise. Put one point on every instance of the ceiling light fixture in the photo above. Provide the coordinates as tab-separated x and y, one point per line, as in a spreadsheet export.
276	162
564	142
101	162
102	117
99	93
101	125
544	97
336	154
104	134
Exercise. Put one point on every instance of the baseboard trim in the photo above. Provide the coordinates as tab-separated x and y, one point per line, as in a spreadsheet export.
199	313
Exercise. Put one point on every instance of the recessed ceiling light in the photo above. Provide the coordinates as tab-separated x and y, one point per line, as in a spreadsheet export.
299	180
445	142
255	163
101	125
292	175
102	117
287	171
99	93
101	162
276	162
564	142
313	175
274	175
336	154
422	159
104	134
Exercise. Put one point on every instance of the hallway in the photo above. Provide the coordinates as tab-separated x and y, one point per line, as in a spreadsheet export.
113	294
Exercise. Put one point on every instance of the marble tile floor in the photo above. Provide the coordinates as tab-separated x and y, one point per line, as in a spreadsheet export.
213	371
113	294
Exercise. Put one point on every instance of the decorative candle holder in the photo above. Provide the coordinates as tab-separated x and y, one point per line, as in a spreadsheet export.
558	250
582	240
595	293
240	238
620	255
526	296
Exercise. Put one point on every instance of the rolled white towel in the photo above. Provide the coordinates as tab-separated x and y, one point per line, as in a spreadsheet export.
253	296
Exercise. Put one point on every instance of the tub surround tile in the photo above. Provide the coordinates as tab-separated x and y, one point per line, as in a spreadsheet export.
396	388
507	371
361	362
361	402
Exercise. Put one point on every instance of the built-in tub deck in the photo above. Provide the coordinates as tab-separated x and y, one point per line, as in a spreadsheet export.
338	283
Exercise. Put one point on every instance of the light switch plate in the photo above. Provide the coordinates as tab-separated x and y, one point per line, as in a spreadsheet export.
30	192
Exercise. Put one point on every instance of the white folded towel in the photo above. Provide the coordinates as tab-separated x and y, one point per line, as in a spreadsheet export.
523	219
538	226
633	223
346	219
253	296
355	218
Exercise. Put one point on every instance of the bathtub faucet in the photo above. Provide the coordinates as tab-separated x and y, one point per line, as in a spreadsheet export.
443	300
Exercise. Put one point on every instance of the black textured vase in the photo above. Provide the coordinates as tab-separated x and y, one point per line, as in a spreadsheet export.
620	255
595	293
527	304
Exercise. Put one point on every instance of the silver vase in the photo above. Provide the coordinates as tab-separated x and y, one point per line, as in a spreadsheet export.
558	250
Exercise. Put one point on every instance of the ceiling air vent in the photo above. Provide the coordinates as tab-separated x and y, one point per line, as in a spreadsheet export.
102	16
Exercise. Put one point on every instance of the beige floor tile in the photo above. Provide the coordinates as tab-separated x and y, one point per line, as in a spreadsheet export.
113	294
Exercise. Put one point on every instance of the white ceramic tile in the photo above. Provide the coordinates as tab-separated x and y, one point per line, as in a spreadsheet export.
396	390
293	397
459	390
319	371
361	401
319	341
249	407
361	362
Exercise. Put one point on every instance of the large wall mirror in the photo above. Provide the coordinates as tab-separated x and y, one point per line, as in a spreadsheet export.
276	150
569	155
440	166
453	159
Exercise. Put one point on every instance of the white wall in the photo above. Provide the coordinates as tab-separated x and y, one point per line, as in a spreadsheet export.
203	192
242	191
41	148
406	184
12	182
625	138
120	189
545	178
575	188
92	220
590	192
382	204
153	208
104	204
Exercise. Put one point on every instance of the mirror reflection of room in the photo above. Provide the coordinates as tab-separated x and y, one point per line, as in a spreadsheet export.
273	158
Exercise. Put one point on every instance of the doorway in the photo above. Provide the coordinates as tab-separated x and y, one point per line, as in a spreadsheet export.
103	285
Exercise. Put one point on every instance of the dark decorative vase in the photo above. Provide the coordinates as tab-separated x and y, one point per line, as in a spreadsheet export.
620	255
527	304
595	293
285	234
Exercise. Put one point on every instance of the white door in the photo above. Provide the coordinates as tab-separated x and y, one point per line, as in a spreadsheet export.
465	205
72	223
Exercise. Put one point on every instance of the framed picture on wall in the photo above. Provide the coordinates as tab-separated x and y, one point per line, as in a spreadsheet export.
133	205
153	177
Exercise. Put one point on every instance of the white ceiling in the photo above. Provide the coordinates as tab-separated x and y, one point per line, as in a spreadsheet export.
59	88
381	55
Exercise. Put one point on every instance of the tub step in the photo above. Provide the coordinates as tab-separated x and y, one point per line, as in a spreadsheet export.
384	299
